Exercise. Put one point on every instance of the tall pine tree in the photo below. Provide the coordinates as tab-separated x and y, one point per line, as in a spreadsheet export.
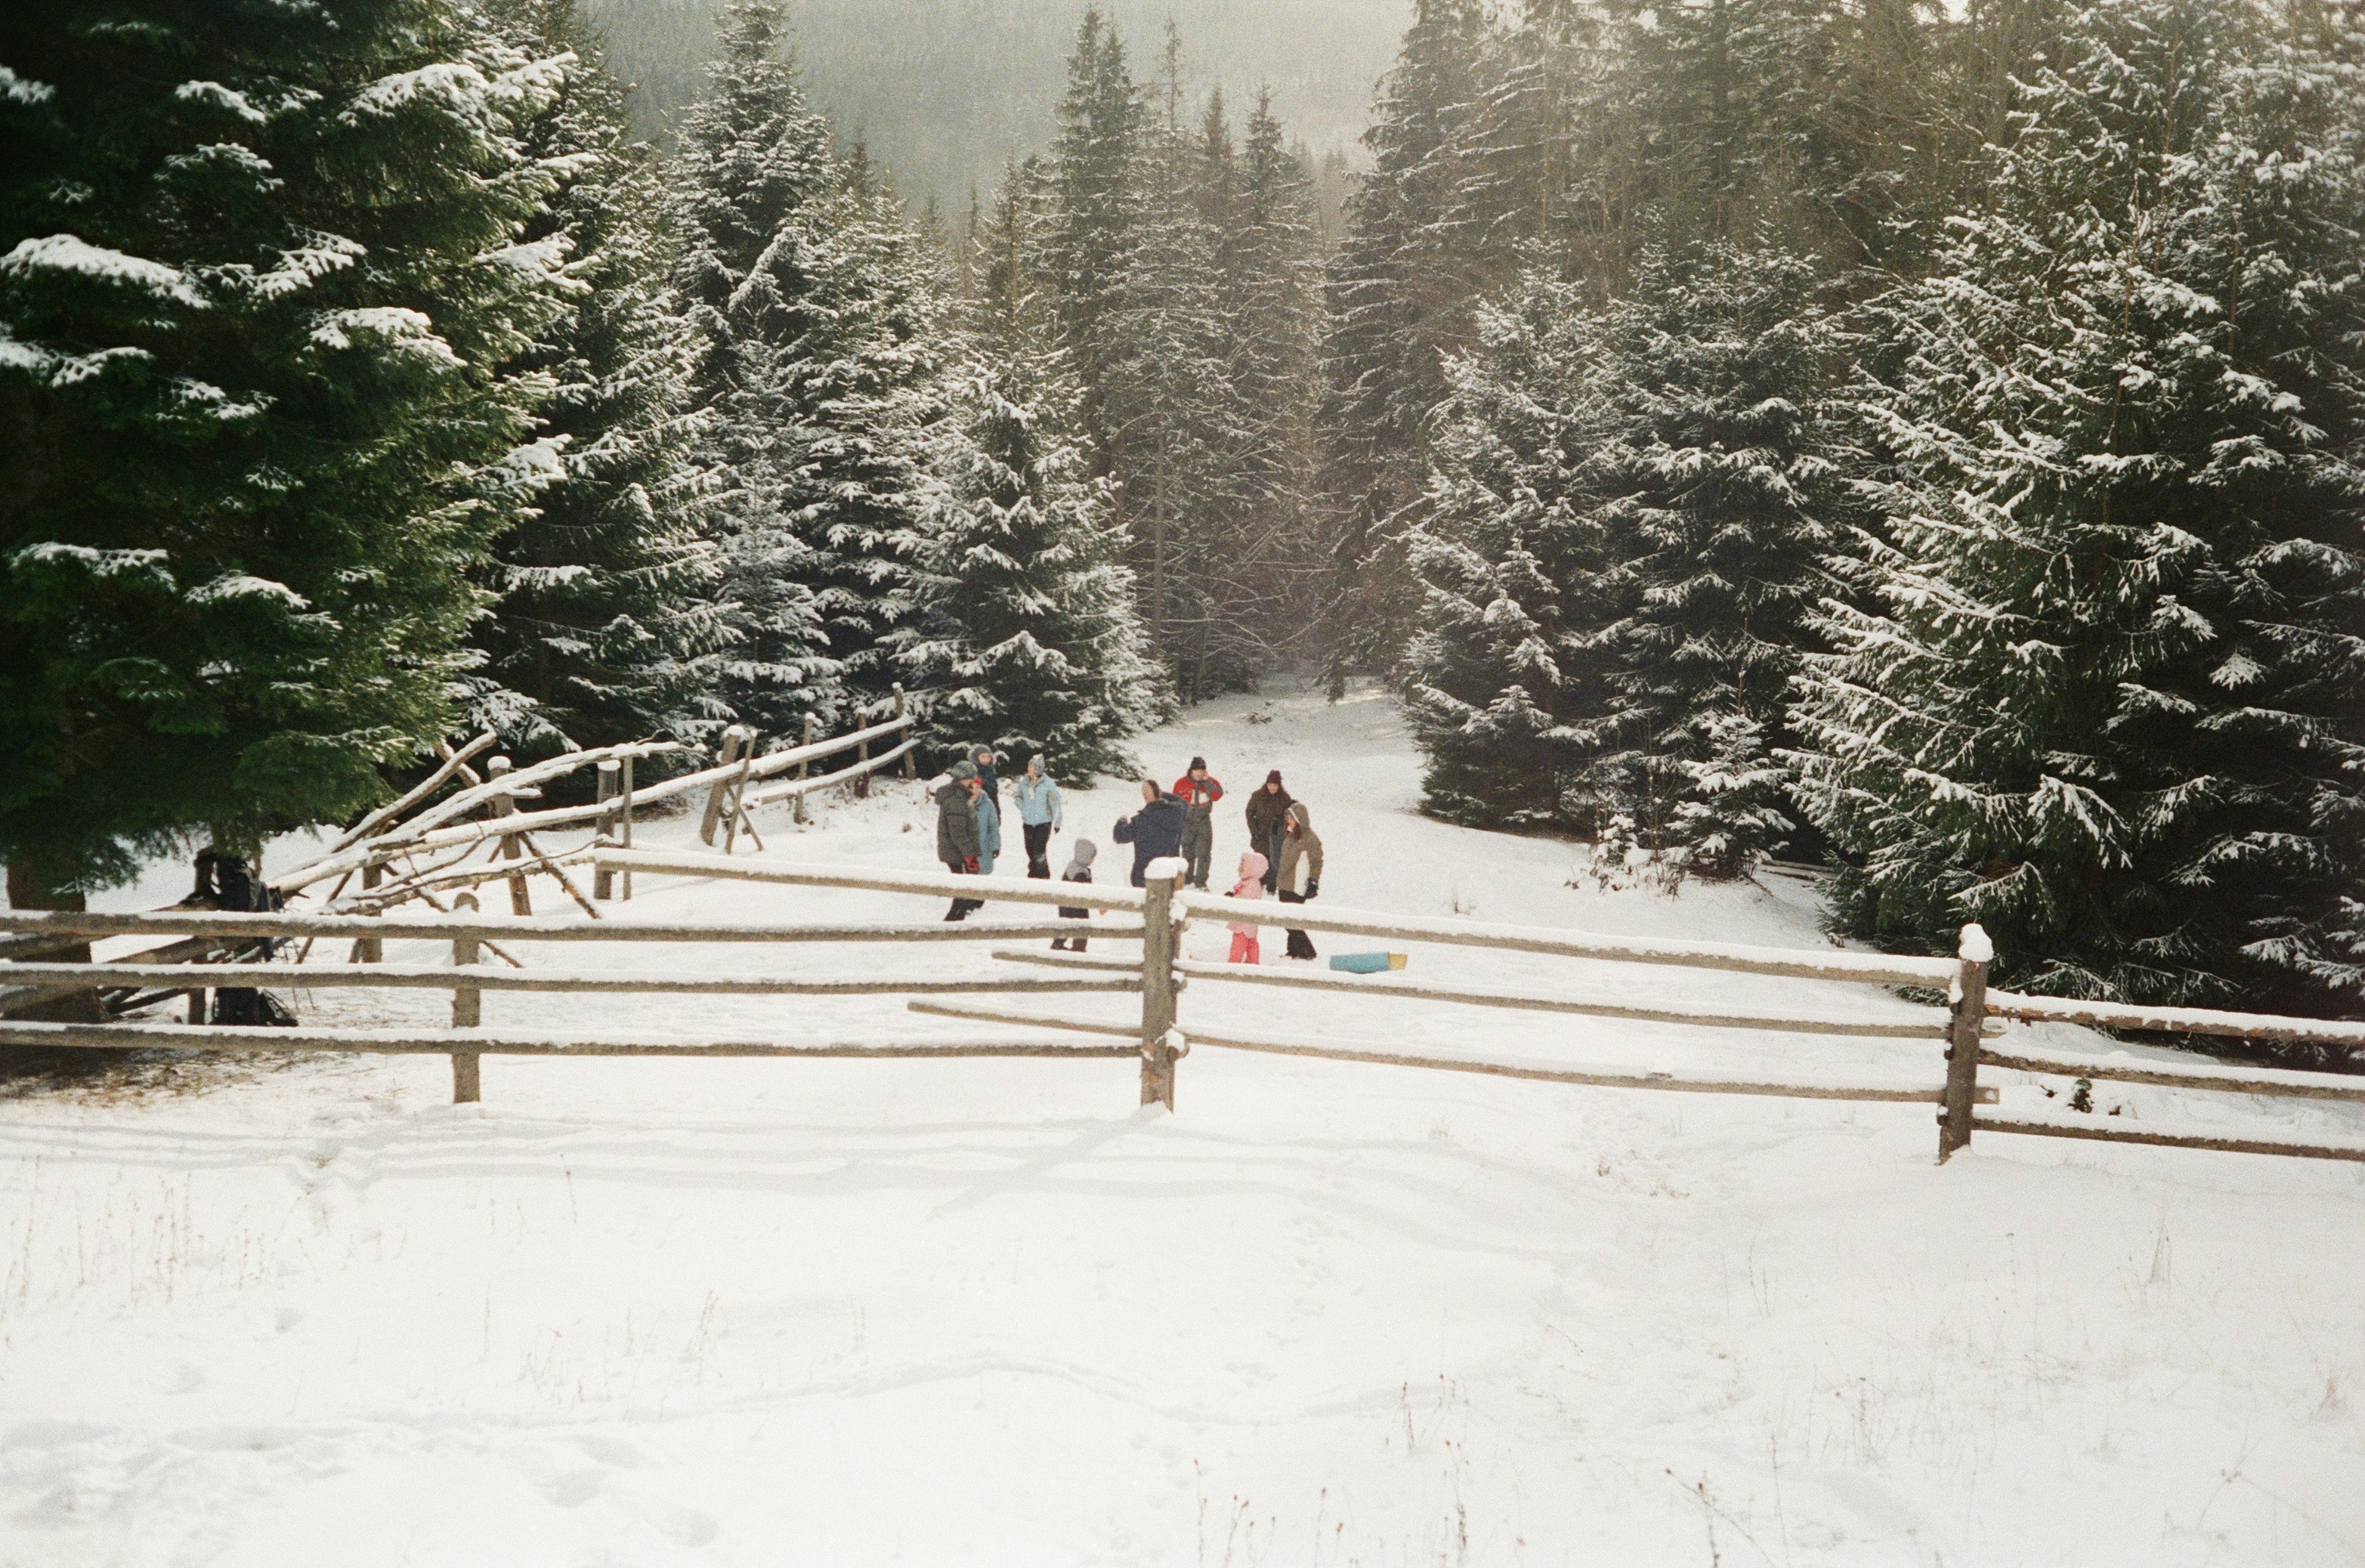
819	307
604	612
752	158
1399	302
260	276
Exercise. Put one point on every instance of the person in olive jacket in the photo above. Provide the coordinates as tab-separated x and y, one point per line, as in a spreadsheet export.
956	835
1300	847
1155	831
1268	808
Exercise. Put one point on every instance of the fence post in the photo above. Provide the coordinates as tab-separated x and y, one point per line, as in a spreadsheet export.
804	771
1969	1004
467	1011
603	880
862	779
369	949
624	820
1158	982
521	897
899	712
723	758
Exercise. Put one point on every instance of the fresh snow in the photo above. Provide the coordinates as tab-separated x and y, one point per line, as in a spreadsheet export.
72	253
832	1313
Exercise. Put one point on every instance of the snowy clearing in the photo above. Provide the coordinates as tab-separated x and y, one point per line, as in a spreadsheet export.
836	1313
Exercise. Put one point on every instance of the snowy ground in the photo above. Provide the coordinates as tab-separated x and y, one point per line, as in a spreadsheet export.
840	1313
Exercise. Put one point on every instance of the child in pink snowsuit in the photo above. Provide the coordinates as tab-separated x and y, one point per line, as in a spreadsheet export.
1249	886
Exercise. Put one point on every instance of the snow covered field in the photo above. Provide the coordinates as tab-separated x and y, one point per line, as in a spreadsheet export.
837	1314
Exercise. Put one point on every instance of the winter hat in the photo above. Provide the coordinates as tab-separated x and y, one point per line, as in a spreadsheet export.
1084	855
1197	763
1252	865
962	772
1274	777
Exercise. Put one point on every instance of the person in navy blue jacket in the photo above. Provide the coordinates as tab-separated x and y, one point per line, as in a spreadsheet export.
1155	831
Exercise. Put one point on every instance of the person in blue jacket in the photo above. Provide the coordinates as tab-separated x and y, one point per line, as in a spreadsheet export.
989	829
1039	816
1155	831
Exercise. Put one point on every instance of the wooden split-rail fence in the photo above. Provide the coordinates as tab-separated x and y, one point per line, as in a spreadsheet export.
427	844
1963	1036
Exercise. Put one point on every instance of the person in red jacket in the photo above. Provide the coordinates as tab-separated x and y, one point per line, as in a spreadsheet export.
1199	790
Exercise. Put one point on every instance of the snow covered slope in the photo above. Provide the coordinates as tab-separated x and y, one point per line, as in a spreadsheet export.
841	1314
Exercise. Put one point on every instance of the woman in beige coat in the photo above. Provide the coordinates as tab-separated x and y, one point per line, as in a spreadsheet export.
1299	847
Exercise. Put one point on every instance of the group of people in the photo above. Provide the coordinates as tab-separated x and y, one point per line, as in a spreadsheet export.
1283	846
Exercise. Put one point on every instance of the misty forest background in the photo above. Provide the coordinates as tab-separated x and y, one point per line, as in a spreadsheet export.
1923	441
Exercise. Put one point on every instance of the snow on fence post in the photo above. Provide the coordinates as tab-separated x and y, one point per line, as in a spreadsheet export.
900	713
369	949
723	758
1968	1003
467	1011
603	880
804	771
1159	881
624	821
505	804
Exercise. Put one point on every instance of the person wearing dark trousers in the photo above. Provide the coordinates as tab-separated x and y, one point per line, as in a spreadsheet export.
1267	810
1199	792
1155	831
1040	814
957	838
1080	869
1300	849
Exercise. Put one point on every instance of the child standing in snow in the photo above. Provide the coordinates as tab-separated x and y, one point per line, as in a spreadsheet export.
1249	886
1080	869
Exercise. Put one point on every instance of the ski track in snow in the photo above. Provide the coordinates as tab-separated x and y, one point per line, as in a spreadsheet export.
838	1313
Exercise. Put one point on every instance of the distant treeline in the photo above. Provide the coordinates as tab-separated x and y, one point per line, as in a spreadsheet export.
947	92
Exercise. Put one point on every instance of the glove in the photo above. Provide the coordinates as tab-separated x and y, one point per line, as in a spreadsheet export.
970	865
1313	886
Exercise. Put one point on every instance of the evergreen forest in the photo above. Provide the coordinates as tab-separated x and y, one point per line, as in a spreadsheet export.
1923	441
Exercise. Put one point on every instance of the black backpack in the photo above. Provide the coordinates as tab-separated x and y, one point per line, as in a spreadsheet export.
237	888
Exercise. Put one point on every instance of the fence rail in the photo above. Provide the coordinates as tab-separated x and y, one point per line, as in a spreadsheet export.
1155	917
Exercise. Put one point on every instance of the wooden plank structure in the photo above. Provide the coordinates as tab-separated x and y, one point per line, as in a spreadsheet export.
1155	916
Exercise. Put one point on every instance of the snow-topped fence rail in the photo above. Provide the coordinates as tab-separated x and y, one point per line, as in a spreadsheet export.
469	932
1961	1028
1157	915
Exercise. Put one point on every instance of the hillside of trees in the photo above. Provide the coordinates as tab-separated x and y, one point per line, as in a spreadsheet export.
1924	441
1929	442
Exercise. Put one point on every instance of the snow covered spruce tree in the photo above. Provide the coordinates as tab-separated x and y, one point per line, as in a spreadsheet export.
1723	467
1027	637
1171	416
604	608
1263	553
2109	697
1504	684
1398	302
1630	527
1093	204
818	307
259	282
